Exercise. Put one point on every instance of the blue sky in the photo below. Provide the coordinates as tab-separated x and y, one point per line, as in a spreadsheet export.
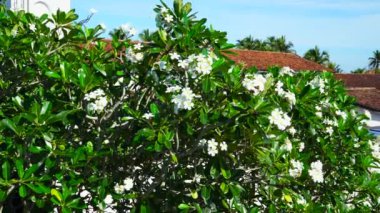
348	29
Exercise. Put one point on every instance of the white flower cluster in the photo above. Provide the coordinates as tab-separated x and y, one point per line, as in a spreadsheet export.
184	100
255	83
297	167
128	30
280	119
166	15
134	56
286	94
318	82
98	101
288	146
203	65
375	147
316	172
212	146
126	186
330	126
148	116
286	71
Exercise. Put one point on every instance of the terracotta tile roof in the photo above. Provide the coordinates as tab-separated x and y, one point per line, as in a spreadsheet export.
364	87
368	98
264	59
360	80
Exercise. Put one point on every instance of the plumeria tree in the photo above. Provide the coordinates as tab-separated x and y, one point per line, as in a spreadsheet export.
170	124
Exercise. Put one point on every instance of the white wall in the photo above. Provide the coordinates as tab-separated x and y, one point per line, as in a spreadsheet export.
39	7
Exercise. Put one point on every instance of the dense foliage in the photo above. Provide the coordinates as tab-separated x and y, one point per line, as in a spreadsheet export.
170	124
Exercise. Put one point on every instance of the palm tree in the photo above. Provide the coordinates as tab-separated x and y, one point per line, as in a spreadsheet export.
334	67
250	43
279	44
374	62
316	55
359	71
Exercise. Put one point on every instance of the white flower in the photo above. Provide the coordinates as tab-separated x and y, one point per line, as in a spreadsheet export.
32	27
184	100
318	108
212	147
169	18
119	81
368	114
93	11
292	131
319	114
173	89
204	64
342	114
134	57
148	116
330	130
316	172
183	64
302	147
162	65
203	142
138	46
174	56
129	30
164	10
255	83
84	194
290	97
280	91
223	146
106	141
108	200
119	188
128	184
286	71
288	145
99	99
317	82
280	119
297	167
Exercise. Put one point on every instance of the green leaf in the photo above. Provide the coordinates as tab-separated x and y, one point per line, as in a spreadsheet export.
61	117
6	170
163	35
205	192
183	206
10	125
22	191
203	117
46	108
56	194
39	188
20	168
52	74
154	109
226	173
224	188
3	195
30	171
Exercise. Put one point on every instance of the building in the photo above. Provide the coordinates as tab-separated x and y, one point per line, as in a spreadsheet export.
39	7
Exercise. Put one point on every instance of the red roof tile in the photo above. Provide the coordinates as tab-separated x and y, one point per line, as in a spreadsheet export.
264	59
360	80
368	98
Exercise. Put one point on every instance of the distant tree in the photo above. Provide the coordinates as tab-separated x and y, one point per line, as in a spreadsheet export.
315	54
279	44
359	71
272	43
249	43
334	67
374	61
146	35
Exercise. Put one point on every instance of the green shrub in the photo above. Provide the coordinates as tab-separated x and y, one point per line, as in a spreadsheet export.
170	124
